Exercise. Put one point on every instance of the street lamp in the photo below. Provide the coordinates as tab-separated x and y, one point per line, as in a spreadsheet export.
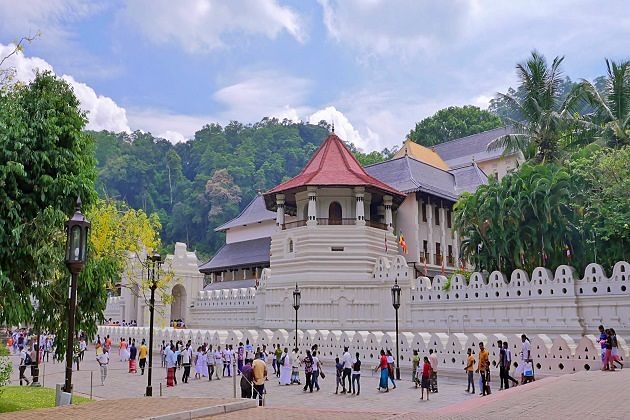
296	305
152	261
77	229
396	305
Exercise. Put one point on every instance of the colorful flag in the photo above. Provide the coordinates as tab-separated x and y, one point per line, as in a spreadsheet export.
402	243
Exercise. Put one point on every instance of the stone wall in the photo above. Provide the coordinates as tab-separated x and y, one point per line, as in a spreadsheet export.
552	354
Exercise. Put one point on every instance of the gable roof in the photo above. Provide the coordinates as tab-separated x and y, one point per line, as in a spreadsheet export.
464	150
333	165
421	153
254	212
239	254
410	175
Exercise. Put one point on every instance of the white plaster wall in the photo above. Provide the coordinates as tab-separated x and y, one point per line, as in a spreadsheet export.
254	231
502	165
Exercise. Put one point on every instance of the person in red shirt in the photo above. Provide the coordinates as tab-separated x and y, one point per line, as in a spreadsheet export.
383	365
426	378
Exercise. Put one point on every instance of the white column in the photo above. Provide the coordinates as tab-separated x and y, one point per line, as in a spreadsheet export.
444	249
456	248
387	201
279	211
359	193
431	246
222	276
312	206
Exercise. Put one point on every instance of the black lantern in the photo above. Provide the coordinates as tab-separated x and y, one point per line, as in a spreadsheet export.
154	261
77	229
396	295
296	305
396	305
296	297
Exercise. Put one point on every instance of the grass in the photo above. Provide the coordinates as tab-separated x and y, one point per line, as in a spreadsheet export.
18	398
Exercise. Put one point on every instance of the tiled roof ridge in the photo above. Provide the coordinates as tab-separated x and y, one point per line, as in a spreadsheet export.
453	141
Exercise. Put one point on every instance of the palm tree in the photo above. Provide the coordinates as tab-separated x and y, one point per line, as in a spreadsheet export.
612	102
541	111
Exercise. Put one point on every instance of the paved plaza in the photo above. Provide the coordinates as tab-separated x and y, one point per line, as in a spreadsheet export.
585	394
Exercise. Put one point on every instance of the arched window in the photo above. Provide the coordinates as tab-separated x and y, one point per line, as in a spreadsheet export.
334	213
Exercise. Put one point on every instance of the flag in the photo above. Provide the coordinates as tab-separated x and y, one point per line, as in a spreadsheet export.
426	272
402	243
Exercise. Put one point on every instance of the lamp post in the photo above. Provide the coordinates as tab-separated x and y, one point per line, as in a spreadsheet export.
152	261
77	229
296	305
396	305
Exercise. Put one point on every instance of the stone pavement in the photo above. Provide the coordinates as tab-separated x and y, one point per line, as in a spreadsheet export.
586	394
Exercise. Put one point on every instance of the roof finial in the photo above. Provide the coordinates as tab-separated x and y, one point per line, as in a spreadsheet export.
333	127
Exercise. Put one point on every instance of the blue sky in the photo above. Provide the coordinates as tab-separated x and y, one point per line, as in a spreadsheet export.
374	67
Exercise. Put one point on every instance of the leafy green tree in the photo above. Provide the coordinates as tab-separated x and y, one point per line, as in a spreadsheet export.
46	161
451	123
611	102
541	114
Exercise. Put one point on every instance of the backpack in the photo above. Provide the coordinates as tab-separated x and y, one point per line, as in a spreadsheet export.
27	359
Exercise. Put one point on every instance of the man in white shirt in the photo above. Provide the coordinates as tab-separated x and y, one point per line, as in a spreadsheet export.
186	356
211	362
433	360
103	361
227	355
218	361
346	359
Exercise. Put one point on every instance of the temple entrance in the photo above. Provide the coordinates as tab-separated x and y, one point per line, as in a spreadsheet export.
334	213
178	305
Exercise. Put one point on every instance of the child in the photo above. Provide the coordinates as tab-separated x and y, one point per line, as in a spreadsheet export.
339	367
426	376
528	372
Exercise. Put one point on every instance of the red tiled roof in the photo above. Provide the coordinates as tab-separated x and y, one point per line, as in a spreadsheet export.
333	165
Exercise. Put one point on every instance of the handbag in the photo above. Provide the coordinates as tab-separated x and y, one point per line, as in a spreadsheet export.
322	374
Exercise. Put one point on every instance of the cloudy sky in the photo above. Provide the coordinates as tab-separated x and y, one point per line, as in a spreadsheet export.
374	67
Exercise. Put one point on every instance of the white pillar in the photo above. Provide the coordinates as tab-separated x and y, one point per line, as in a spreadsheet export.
222	276
430	227
387	201
359	193
280	211
312	206
456	248
444	249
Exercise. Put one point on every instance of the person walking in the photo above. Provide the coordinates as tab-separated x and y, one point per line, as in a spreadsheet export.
260	376
525	356
211	362
508	365
295	367
103	361
82	347
602	342
133	352
274	358
25	360
308	371
285	368
346	360
339	373
218	363
186	360
142	356
415	364
615	349
356	375
384	367
247	380
469	369
501	364
227	357
608	365
240	353
316	370
425	382
483	367
391	367
433	359
278	354
171	364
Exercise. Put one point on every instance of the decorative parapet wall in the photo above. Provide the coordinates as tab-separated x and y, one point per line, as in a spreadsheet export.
557	302
114	308
226	307
552	354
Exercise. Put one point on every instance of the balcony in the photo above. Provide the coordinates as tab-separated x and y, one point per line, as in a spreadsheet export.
334	222
425	257
438	259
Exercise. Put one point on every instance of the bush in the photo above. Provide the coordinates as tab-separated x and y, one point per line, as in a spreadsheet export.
6	367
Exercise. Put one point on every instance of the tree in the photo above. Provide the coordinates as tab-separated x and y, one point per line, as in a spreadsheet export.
46	161
541	113
611	103
451	123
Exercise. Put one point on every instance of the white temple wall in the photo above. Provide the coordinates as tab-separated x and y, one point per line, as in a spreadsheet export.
254	231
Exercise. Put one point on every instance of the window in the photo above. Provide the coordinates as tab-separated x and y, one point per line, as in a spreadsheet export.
425	246
448	218
424	212
438	250
437	216
334	213
496	176
290	245
450	250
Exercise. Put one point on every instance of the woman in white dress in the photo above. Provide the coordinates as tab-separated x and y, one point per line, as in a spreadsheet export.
285	368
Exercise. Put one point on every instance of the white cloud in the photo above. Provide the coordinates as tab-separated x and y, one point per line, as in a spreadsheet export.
172	136
203	25
343	127
264	94
102	112
169	125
